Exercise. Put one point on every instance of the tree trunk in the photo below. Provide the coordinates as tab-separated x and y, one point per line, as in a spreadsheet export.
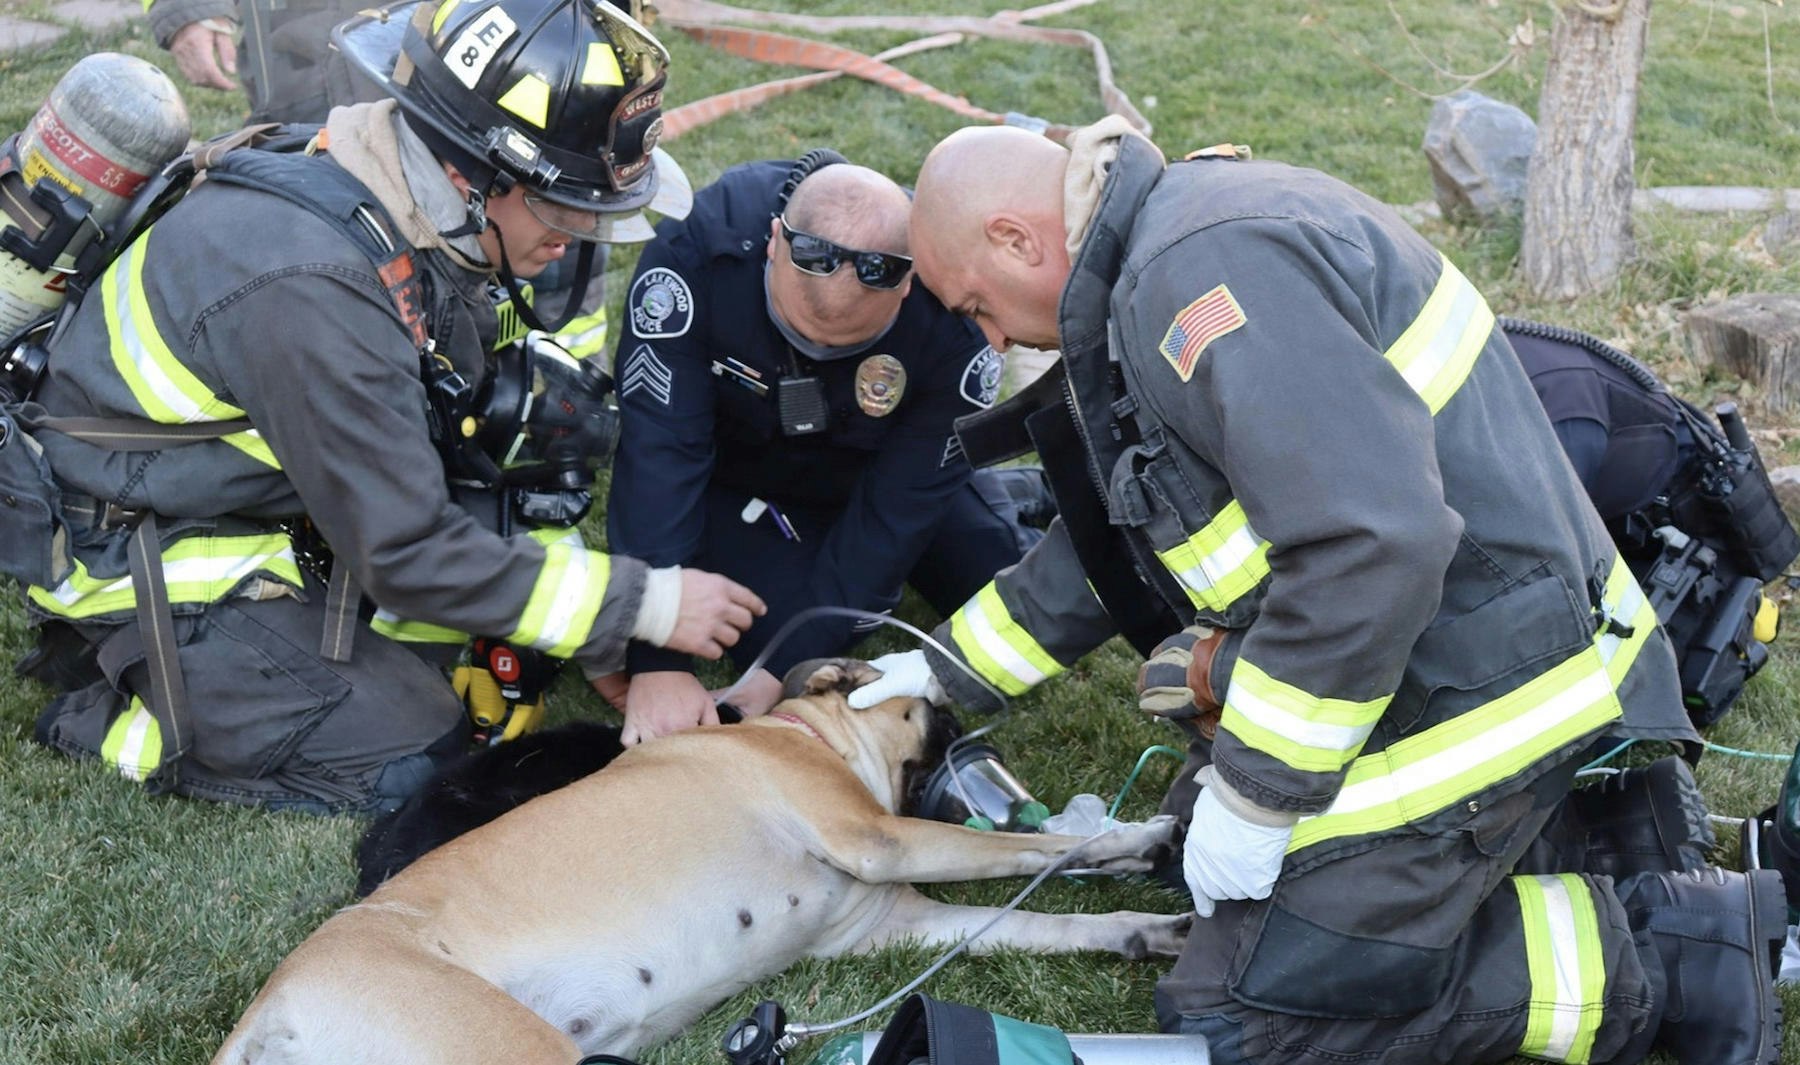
1578	192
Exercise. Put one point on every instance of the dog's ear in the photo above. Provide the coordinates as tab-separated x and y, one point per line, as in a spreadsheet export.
817	675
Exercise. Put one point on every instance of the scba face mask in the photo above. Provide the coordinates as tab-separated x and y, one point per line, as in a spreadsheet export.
540	424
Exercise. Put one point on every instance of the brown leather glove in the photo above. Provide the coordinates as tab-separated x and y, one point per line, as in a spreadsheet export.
1176	681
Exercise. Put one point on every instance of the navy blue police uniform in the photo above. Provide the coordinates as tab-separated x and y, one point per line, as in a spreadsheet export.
840	514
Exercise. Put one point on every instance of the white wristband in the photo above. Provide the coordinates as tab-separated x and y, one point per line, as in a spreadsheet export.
660	607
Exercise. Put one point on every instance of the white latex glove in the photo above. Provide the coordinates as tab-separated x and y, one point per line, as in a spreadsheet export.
904	673
1227	855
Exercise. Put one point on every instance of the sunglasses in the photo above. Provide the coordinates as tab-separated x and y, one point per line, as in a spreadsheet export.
820	257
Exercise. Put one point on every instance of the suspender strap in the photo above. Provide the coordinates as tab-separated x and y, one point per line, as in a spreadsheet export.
167	697
998	433
1142	616
128	434
341	603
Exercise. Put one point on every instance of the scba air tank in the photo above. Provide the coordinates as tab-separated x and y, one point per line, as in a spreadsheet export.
109	124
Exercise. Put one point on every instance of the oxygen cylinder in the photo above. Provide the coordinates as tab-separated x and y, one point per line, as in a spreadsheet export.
109	124
855	1048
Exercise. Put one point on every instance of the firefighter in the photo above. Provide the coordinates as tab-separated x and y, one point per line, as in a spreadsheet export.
342	362
787	395
278	49
1307	438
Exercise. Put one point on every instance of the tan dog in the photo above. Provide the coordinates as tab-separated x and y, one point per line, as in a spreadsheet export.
641	896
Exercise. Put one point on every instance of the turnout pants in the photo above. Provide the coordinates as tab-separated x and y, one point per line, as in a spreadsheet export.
1426	947
273	723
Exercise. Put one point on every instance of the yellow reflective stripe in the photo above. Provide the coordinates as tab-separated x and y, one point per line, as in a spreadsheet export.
133	743
1222	561
442	13
1626	603
1303	730
1225	560
165	390
196	569
585	335
1422	774
1439	348
511	325
998	647
395	627
1568	972
565	600
529	98
406	630
251	443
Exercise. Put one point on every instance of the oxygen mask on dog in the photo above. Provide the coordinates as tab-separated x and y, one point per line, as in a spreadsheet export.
972	787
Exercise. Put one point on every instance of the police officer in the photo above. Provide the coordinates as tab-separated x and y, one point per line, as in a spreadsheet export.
1316	444
335	363
787	396
1692	513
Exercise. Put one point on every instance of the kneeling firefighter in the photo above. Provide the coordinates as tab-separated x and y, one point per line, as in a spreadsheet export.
236	437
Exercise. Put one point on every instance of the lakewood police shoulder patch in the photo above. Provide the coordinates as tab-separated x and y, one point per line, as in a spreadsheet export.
981	378
1197	325
660	304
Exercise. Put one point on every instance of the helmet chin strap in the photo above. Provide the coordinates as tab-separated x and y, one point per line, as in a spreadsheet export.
478	221
584	269
475	219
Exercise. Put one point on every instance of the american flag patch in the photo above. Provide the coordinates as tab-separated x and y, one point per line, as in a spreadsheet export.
1199	324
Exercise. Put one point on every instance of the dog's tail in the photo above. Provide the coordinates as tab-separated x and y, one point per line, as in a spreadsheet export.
477	789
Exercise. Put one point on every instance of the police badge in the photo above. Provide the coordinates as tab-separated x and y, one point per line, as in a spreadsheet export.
880	382
981	378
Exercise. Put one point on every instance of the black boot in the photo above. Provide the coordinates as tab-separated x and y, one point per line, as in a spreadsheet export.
1718	937
1650	819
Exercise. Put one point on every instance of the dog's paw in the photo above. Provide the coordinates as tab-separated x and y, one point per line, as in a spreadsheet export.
1161	936
1134	848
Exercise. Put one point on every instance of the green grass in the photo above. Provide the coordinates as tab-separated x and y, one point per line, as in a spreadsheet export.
137	929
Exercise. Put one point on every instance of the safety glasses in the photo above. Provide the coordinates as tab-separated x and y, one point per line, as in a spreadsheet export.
820	257
570	221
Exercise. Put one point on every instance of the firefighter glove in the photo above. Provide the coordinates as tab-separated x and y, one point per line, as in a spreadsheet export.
904	673
1176	680
1234	847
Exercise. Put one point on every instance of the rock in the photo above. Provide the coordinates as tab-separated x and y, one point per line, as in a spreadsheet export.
1480	151
20	33
1755	336
1781	235
98	16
